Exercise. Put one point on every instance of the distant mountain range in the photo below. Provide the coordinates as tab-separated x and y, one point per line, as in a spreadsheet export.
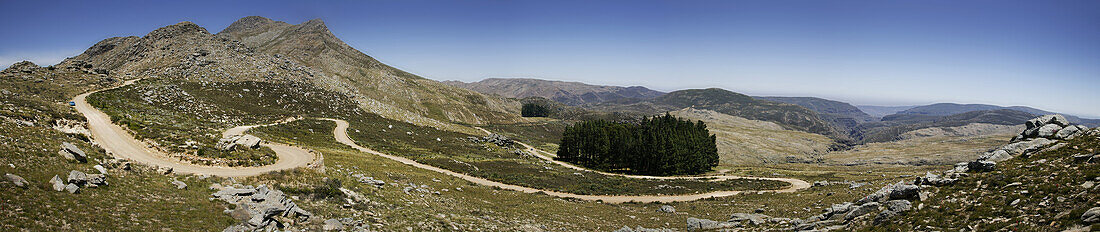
839	120
569	93
941	109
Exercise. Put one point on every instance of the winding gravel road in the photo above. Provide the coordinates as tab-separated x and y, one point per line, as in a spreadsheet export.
119	142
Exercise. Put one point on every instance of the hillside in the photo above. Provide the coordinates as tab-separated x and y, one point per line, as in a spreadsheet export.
380	88
943	109
569	93
747	142
845	117
723	101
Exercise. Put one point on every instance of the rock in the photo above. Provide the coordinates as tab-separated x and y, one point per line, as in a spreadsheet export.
100	168
97	180
820	183
231	142
754	219
164	170
642	229
861	210
77	177
1066	133
58	184
996	156
1091	216
884	216
1022	147
335	224
1054	119
261	207
705	224
981	166
898	205
934	180
72	188
70	151
624	229
17	180
666	209
896	191
179	184
1048	131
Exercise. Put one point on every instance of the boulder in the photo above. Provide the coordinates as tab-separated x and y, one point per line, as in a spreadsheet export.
934	180
1054	119
1067	132
97	180
904	191
981	166
694	224
1048	131
77	177
1022	147
70	151
179	184
862	210
335	224
17	180
898	205
996	156
262	207
754	218
72	188
1091	216
666	209
58	184
100	168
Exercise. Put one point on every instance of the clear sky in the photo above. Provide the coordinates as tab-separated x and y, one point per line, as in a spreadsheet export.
1044	54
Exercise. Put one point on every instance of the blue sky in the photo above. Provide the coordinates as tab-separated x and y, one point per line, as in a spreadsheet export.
1044	54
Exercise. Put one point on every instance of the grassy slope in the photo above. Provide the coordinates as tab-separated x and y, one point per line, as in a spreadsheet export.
743	141
1051	194
31	152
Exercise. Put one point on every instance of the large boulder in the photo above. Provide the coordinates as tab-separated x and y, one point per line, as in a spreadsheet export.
1047	131
96	180
58	184
981	166
694	224
900	190
1055	119
1091	216
16	180
70	151
862	210
1022	147
77	177
753	218
666	209
1069	132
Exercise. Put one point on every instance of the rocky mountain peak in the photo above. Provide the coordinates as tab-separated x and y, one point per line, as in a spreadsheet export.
182	28
22	65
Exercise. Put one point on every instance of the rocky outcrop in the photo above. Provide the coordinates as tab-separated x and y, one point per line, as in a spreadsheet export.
71	152
261	208
498	139
246	141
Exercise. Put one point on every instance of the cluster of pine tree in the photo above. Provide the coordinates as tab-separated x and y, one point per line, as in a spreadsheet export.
660	146
534	110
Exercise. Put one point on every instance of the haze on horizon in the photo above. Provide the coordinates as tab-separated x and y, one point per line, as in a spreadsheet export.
1038	54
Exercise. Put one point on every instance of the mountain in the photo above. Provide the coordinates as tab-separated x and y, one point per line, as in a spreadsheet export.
569	93
789	116
879	111
941	109
843	116
259	49
892	126
378	87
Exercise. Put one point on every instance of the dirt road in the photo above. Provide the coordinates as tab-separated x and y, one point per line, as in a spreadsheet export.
119	142
341	135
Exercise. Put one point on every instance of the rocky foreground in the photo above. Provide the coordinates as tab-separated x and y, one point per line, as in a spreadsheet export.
1019	186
